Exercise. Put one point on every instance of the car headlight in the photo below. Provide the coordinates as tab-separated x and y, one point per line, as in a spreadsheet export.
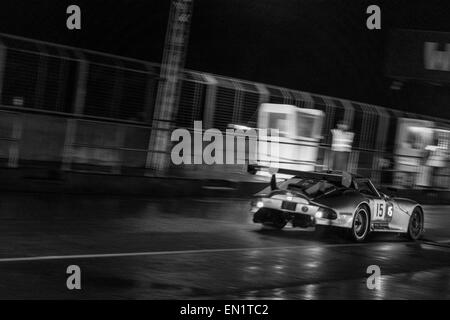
325	213
257	203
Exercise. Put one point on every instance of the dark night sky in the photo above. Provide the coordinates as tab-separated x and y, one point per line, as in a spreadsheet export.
312	45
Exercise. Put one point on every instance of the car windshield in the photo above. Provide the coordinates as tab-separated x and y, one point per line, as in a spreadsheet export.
309	187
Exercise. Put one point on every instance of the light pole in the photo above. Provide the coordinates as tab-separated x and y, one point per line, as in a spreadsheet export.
167	98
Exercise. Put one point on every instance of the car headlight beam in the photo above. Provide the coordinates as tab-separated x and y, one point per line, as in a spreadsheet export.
258	203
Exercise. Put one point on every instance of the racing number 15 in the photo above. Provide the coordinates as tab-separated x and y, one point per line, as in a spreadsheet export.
380	210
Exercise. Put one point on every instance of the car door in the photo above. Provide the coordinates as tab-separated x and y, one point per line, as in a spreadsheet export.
382	212
380	207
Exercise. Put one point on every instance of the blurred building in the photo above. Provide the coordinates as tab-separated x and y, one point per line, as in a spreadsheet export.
418	62
419	65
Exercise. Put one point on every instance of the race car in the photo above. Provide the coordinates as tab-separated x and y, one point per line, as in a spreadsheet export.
331	200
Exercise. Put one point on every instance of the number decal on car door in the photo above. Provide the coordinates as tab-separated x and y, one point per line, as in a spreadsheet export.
383	210
380	211
390	210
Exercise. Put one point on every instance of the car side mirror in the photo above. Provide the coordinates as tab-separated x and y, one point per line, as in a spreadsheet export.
384	196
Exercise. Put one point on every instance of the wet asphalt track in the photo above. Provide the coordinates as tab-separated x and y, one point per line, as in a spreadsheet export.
137	248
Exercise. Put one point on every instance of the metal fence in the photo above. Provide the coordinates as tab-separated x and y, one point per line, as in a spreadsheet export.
106	104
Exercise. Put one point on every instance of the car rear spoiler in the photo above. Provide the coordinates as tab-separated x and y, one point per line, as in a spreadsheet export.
342	177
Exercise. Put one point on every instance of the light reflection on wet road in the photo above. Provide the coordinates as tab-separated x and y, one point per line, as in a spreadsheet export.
206	248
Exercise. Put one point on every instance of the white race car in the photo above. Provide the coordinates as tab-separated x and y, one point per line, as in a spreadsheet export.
338	200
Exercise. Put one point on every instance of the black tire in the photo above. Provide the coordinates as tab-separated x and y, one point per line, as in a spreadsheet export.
277	223
415	225
360	225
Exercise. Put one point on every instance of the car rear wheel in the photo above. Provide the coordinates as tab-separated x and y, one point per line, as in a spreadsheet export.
415	226
360	226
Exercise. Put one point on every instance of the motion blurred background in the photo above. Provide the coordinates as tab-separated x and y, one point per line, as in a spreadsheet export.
69	108
314	46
